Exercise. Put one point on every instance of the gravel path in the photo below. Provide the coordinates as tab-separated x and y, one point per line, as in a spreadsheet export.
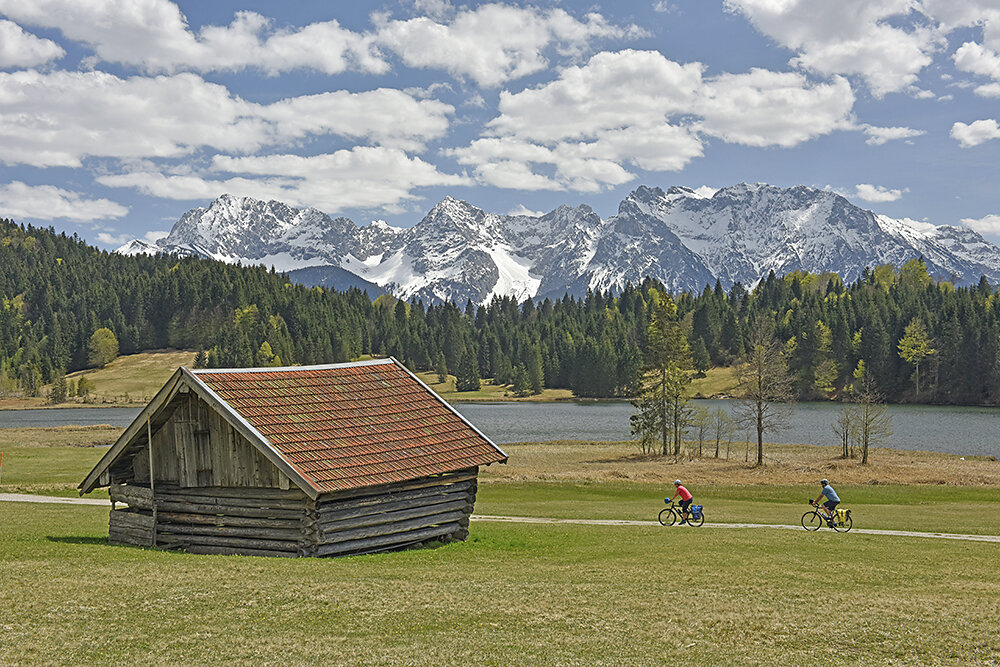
28	498
624	522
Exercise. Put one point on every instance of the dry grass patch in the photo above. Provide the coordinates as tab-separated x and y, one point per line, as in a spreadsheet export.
97	435
785	465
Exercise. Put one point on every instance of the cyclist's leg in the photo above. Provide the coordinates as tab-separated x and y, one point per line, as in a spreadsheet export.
685	504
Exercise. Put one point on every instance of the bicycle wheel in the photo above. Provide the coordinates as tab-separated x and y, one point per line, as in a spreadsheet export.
812	521
696	522
667	517
844	527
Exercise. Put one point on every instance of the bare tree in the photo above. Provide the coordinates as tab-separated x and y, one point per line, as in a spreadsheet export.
873	421
723	427
763	385
701	420
845	427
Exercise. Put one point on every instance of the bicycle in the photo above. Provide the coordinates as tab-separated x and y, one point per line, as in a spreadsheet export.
672	513
840	522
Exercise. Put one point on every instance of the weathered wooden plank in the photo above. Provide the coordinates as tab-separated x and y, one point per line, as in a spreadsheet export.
263	503
327	531
369	501
217	520
386	542
228	510
138	497
143	538
457	476
219	541
127	519
122	540
390	504
232	492
396	527
257	532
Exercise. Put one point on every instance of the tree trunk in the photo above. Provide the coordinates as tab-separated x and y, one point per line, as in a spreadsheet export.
760	439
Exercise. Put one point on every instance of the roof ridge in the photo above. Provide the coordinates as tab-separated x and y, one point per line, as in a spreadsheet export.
280	369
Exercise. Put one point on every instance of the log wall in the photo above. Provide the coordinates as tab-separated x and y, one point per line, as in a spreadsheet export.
276	522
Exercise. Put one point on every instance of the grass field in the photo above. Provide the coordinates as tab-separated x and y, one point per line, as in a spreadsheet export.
487	391
519	594
128	380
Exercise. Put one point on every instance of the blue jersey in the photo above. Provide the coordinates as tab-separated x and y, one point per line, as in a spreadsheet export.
830	494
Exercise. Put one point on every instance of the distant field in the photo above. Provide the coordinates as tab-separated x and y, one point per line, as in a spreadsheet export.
717	382
129	380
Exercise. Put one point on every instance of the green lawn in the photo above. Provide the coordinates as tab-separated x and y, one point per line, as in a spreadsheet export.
511	595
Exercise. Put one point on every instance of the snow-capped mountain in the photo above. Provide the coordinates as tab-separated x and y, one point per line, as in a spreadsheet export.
459	252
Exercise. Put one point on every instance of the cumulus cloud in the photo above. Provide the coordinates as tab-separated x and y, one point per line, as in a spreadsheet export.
21	49
47	202
881	135
763	108
868	38
57	119
493	43
989	224
362	177
154	35
584	130
975	133
489	44
877	193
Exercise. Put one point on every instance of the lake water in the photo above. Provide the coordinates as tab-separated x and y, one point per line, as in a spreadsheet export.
956	430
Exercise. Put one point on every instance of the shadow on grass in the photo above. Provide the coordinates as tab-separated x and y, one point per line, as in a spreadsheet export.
77	539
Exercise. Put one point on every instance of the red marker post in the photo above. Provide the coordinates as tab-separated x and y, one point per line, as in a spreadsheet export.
1	466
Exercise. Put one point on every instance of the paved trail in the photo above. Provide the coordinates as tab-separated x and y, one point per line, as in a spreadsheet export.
27	498
624	522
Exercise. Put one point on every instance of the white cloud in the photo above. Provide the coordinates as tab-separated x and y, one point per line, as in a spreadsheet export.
988	90
154	35
47	202
637	108
493	43
877	193
977	59
21	49
521	209
873	39
763	108
363	177
989	224
975	133
880	135
58	119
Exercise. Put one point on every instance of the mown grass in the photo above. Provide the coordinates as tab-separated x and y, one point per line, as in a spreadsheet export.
511	595
720	381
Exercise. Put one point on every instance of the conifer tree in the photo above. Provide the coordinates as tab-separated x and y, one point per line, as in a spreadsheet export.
467	378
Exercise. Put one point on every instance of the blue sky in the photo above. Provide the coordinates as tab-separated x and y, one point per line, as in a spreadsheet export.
116	116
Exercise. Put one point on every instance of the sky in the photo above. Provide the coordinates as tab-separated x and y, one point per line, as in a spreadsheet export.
117	116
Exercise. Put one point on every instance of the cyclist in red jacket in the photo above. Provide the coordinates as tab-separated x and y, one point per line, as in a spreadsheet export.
686	499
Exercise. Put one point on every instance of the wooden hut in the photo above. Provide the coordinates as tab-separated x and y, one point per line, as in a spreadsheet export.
302	461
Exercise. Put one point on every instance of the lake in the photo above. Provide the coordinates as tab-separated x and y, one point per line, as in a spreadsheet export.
956	430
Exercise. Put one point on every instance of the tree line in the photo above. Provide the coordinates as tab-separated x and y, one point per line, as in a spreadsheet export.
917	339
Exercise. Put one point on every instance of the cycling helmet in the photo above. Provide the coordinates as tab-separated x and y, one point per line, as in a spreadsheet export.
677	481
824	482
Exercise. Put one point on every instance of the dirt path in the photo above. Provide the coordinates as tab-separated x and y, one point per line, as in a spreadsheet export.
624	522
28	498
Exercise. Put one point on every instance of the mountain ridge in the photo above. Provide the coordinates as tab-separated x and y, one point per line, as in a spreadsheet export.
459	252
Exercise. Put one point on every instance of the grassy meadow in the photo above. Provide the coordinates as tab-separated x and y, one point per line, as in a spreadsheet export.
517	594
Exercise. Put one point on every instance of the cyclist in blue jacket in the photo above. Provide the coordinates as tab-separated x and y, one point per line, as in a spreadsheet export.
832	499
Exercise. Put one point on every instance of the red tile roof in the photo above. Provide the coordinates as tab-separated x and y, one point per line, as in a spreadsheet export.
349	426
